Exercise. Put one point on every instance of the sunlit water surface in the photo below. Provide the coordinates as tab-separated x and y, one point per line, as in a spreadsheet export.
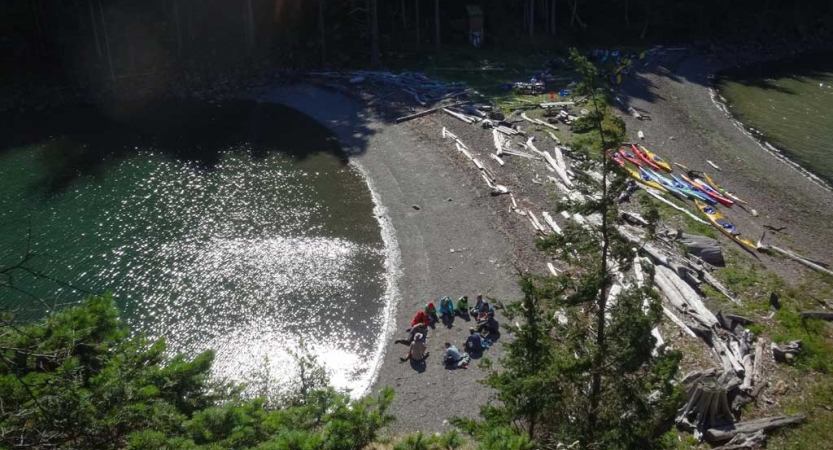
248	255
788	104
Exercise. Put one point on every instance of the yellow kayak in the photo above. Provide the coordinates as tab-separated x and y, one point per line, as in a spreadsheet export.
721	190
656	159
719	221
647	181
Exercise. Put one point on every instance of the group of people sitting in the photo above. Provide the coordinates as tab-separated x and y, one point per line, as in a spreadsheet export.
477	341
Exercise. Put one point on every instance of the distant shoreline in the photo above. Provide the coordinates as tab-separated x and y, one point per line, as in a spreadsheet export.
687	126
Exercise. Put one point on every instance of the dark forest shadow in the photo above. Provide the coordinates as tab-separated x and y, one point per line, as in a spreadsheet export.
84	141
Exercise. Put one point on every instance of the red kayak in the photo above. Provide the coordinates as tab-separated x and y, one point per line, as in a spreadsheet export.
617	158
708	190
630	157
642	156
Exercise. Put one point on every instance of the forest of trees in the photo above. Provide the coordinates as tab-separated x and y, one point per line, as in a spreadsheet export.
117	38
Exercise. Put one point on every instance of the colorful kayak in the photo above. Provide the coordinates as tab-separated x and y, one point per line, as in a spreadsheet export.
643	157
630	157
708	190
656	160
645	179
722	191
664	182
726	227
691	191
616	157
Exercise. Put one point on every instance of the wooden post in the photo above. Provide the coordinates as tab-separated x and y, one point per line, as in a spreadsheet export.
95	30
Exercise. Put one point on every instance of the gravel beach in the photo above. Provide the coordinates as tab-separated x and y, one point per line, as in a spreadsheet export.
451	245
687	127
454	238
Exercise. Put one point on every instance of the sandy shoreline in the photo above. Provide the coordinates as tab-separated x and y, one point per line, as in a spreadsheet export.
687	127
405	171
410	165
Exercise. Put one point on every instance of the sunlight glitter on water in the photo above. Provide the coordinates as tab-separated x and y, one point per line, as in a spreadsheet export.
248	258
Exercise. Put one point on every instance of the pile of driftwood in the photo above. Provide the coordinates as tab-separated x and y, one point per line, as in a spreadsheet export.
714	400
421	88
715	396
485	173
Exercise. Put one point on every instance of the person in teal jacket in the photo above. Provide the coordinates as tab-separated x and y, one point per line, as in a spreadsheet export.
446	308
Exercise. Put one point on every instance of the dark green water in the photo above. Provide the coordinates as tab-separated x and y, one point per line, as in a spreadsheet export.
788	104
239	228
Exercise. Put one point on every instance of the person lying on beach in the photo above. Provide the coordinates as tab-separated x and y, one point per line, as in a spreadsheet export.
419	328
446	308
431	312
418	351
474	343
463	306
453	357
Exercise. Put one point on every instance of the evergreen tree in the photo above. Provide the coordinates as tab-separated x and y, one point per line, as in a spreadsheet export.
79	380
582	367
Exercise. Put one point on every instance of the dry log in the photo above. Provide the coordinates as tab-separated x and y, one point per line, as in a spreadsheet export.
499	141
551	223
683	297
786	352
707	402
795	257
748	373
497	158
552	269
744	440
725	433
426	112
462	117
679	322
560	171
817	315
554	137
758	363
659	197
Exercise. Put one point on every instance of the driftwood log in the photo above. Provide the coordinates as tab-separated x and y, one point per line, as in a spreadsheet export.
703	247
727	432
823	315
708	404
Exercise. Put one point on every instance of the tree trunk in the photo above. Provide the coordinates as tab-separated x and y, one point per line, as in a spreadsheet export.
107	42
374	34
416	21
250	26
38	28
437	41
627	13
321	30
554	17
178	28
531	18
604	291
647	21
95	30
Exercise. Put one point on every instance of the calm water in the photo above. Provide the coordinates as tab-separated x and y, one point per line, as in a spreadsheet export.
238	228
789	104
